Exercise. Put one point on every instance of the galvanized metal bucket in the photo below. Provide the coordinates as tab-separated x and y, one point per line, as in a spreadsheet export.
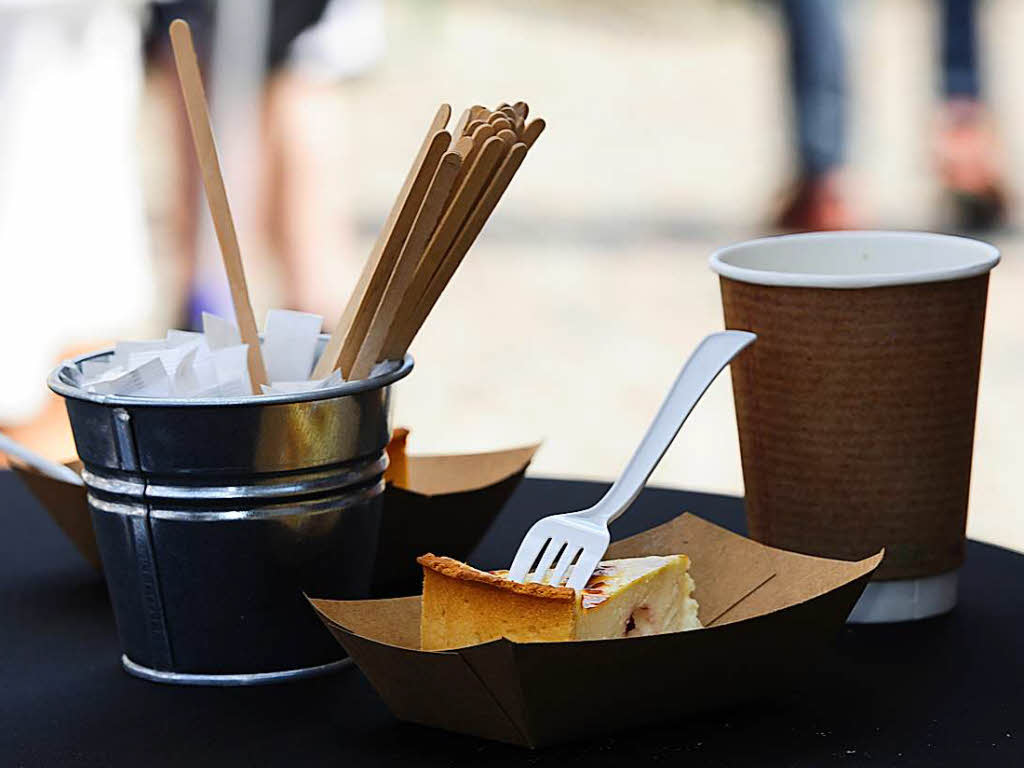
213	517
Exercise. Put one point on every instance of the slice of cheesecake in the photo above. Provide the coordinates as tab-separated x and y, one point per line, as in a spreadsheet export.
624	598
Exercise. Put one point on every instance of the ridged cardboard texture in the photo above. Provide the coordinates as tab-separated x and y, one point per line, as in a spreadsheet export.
856	418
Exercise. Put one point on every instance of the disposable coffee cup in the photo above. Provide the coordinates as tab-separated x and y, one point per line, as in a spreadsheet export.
856	407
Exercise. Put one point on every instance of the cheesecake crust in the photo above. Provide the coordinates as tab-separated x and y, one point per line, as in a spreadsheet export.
456	569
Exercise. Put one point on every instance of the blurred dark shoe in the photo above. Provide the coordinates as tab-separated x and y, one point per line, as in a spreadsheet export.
968	159
815	203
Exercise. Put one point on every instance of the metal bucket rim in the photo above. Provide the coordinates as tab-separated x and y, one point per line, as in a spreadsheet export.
61	387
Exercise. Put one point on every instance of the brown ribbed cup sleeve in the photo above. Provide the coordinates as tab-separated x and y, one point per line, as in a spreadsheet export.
856	417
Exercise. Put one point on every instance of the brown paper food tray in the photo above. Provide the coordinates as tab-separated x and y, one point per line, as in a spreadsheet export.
446	504
766	613
67	506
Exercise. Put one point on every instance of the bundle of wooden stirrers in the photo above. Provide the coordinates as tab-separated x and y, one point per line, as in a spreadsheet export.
454	184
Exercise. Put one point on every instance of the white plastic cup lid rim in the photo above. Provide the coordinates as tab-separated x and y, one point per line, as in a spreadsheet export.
854	259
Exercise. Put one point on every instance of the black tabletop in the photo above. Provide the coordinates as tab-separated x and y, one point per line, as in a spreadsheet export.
946	691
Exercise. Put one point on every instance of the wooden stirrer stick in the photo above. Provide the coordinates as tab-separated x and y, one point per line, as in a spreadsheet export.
460	125
480	137
216	195
508	136
533	129
389	256
466	195
331	356
412	252
501	123
467	235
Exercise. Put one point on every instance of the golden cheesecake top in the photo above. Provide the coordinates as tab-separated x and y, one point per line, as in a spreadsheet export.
609	578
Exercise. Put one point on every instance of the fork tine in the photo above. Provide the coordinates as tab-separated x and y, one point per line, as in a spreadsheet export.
538	562
547	559
584	568
531	548
558	573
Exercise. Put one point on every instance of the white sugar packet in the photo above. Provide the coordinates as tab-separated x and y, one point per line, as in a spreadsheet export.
185	382
170	357
307	385
73	372
232	367
220	333
234	388
148	380
123	350
93	369
334	380
176	338
289	344
384	366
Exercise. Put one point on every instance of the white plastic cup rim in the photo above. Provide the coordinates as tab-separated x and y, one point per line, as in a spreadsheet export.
855	259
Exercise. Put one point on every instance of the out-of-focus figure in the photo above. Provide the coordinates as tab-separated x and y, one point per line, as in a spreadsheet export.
967	153
73	242
817	70
270	65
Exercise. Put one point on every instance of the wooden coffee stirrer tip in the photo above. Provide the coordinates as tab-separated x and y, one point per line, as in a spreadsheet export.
394	238
412	252
443	206
378	265
533	130
484	206
460	126
469	187
216	195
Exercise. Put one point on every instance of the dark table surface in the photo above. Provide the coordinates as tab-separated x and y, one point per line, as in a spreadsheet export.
946	691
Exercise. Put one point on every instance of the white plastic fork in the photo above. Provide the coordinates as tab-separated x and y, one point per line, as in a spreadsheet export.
559	540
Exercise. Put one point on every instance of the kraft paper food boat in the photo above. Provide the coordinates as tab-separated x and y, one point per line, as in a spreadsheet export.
67	507
766	613
442	502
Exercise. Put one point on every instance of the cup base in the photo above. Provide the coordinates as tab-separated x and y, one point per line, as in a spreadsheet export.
884	602
259	678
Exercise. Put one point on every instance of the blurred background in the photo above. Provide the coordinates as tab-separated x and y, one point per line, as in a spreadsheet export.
673	128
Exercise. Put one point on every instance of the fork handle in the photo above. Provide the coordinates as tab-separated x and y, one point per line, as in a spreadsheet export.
704	365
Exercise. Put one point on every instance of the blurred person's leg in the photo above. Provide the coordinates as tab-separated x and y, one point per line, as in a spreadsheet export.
315	45
967	149
309	219
818	81
184	204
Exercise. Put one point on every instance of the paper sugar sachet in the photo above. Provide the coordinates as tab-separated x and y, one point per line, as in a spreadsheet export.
220	333
289	344
148	379
286	387
211	363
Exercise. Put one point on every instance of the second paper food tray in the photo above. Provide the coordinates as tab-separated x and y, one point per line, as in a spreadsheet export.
766	613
